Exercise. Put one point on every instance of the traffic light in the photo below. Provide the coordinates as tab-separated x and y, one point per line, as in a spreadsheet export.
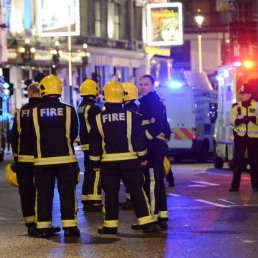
8	88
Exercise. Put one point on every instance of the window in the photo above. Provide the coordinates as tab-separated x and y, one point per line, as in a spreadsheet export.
116	21
97	18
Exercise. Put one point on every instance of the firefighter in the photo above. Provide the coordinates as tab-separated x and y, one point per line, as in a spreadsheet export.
117	146
243	116
87	111
23	157
131	94
154	122
55	127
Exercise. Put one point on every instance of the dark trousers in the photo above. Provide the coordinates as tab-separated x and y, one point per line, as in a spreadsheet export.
67	178
130	173
25	174
240	146
154	179
91	190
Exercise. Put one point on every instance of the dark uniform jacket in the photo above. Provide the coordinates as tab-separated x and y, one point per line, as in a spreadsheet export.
22	140
116	135
153	115
55	129
131	106
87	111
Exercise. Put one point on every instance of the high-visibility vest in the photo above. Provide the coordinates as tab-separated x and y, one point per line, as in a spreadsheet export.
237	111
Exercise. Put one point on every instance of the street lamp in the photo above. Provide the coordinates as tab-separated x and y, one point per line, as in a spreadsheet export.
85	54
27	51
56	56
199	18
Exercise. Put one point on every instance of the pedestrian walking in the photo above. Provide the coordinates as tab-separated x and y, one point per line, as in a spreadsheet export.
117	149
55	127
243	116
87	111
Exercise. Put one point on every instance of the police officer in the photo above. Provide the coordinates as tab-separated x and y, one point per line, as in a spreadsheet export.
154	122
55	127
87	111
243	116
117	146
131	94
22	146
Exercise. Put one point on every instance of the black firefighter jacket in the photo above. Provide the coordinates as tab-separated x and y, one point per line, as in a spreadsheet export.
22	140
87	111
55	127
116	135
153	115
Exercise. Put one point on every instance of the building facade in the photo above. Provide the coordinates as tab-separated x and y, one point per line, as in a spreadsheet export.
108	40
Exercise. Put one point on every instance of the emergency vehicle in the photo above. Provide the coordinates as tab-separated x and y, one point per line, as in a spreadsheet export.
230	78
4	115
191	105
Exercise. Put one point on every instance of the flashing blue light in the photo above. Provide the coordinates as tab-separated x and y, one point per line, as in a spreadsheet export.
175	84
6	85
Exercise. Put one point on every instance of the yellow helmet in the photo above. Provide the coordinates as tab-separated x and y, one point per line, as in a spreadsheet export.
131	90
50	85
113	92
167	166
89	87
11	175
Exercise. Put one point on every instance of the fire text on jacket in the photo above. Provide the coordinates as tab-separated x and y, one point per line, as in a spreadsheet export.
51	112
113	117
25	112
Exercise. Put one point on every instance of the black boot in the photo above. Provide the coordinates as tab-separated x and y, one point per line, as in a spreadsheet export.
105	230
46	232
150	227
72	231
31	229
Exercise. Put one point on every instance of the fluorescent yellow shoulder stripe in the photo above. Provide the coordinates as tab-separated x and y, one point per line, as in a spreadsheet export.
129	130
18	120
86	118
99	124
68	127
148	135
36	126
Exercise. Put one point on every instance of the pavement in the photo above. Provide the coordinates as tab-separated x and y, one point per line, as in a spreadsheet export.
205	220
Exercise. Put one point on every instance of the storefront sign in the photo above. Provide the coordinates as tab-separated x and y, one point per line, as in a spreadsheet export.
164	24
158	51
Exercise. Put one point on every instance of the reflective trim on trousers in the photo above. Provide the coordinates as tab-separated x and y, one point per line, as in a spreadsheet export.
29	219
43	224
163	214
110	223
69	223
145	220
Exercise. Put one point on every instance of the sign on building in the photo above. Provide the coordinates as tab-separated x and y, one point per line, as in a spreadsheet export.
55	16
164	24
